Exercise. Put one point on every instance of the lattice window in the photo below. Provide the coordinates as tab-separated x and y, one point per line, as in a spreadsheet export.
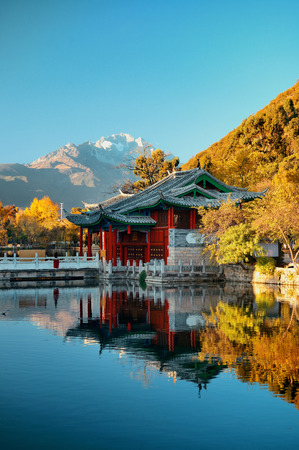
162	220
182	219
135	253
156	253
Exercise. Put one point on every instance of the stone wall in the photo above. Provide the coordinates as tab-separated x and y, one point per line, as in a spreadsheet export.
247	274
185	245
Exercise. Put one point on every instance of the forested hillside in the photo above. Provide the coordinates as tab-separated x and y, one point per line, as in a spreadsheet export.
264	144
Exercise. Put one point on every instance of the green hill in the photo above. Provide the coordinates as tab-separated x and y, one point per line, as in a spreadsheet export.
252	154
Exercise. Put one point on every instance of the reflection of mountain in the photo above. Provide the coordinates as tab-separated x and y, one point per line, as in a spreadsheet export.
45	307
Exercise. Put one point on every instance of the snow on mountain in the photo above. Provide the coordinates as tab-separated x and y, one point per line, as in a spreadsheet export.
85	172
109	149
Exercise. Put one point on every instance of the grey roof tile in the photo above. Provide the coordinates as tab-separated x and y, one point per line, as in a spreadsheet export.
177	183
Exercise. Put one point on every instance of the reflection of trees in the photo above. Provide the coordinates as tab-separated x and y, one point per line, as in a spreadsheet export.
261	350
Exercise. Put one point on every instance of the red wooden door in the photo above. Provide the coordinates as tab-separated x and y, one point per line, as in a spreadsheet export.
134	253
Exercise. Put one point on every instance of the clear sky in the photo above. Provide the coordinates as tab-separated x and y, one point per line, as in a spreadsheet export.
179	73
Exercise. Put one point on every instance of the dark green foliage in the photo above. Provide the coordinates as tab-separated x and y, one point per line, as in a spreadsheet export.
141	279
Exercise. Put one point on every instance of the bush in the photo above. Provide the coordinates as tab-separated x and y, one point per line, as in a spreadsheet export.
265	265
141	279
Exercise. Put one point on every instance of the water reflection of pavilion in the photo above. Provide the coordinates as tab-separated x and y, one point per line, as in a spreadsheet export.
159	326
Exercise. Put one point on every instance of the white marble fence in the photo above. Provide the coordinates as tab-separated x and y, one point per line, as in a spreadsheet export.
46	263
154	268
158	268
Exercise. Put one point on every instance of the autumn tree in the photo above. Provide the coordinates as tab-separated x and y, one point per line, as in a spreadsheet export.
239	243
229	236
149	166
7	223
276	216
254	151
3	230
40	222
44	212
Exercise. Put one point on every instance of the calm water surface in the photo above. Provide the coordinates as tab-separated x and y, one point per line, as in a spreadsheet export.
117	367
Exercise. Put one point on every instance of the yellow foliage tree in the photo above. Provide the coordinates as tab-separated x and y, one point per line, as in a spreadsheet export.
45	212
40	223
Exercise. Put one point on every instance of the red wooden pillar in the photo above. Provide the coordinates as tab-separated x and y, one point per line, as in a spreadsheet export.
104	245
109	249
121	252
100	239
89	243
166	244
171	217
114	247
81	241
193	338
192	218
148	248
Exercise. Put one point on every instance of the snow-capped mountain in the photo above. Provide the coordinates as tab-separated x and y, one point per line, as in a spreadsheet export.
111	150
72	174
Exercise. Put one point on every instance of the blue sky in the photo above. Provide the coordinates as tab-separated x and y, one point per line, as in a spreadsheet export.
181	74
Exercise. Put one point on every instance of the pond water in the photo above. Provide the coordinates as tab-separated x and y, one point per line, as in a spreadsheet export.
120	367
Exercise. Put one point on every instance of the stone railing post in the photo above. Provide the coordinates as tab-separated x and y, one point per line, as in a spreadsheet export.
191	267
128	268
110	267
203	265
146	266
155	267
162	267
180	267
140	266
133	267
36	261
15	260
77	260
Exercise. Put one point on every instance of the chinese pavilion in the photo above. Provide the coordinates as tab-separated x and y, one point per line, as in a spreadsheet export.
158	222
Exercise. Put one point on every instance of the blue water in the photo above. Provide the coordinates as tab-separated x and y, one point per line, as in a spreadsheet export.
62	389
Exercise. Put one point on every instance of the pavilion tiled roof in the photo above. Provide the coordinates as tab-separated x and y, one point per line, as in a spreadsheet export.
170	191
91	218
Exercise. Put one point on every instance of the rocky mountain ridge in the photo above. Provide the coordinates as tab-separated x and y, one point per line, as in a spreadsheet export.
72	174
